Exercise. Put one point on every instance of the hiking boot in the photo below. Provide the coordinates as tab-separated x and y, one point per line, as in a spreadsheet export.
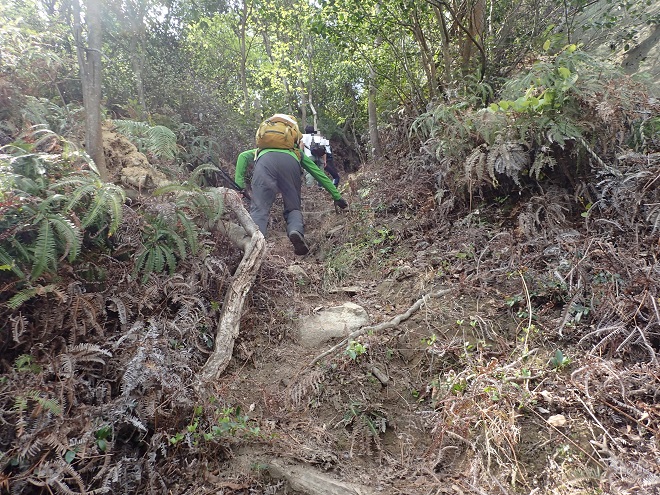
300	247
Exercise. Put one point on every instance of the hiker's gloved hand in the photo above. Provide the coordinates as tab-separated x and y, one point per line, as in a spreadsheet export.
341	203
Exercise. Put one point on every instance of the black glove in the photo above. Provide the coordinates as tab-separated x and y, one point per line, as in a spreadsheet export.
341	203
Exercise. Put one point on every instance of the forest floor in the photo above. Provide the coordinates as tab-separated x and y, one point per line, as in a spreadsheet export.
486	388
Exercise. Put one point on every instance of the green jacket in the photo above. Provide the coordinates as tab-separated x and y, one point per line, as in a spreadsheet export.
247	157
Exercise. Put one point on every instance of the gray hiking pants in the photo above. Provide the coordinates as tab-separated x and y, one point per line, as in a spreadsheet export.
276	172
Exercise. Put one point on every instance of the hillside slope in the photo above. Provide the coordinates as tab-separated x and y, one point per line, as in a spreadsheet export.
502	383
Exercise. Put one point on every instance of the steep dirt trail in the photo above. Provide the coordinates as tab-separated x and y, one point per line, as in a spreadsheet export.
317	419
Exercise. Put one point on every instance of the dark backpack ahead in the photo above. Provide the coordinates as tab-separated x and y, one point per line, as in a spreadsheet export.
317	149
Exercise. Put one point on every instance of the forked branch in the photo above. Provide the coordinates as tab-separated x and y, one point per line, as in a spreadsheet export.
397	320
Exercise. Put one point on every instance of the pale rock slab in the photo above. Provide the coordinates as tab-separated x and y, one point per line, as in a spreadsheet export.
330	323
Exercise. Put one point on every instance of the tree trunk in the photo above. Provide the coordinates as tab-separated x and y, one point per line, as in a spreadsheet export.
137	63
373	116
137	13
426	55
476	24
89	61
244	14
446	57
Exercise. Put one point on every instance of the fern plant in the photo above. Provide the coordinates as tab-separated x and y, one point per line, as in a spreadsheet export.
36	231
101	201
163	243
547	104
172	232
565	101
38	216
193	198
158	139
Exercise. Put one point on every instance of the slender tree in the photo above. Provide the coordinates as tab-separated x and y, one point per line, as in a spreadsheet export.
89	60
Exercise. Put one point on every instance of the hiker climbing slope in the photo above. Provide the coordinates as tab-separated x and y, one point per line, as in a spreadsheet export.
277	168
318	149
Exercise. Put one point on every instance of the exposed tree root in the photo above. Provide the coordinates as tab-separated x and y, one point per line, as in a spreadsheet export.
382	326
228	326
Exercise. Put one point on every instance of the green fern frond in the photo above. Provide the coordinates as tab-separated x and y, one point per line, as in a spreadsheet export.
115	197
190	230
50	405
82	188
159	140
95	212
151	264
140	261
216	202
106	199
69	234
158	259
28	293
45	205
541	161
26	184
210	204
44	250
20	404
162	142
20	297
131	128
22	251
179	243
170	260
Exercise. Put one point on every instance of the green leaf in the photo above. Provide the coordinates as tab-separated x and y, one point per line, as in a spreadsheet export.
564	72
546	45
8	263
69	456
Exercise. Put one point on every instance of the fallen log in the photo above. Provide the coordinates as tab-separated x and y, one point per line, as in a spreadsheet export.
252	241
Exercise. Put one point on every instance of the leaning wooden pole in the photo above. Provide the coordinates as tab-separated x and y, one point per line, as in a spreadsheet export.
229	324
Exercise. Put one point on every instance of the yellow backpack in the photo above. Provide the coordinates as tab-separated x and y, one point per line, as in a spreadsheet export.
279	131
